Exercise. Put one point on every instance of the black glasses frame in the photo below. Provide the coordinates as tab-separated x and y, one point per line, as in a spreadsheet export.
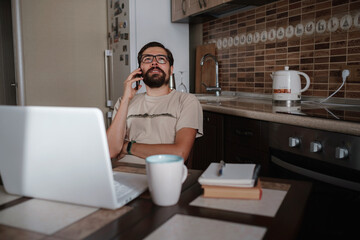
156	58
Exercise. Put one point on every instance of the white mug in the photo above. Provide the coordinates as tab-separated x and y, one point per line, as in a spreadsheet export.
166	174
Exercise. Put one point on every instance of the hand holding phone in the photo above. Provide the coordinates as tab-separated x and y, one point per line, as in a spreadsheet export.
137	82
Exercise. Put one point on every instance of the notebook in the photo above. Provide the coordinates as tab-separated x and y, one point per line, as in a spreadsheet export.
61	154
233	175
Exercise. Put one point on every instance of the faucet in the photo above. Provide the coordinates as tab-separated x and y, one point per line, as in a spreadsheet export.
217	88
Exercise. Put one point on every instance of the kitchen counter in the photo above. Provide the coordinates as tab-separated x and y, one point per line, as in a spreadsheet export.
141	218
261	107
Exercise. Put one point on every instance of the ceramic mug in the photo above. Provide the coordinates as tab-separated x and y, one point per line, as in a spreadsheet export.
166	174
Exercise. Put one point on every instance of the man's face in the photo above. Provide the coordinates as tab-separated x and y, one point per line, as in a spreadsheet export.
156	70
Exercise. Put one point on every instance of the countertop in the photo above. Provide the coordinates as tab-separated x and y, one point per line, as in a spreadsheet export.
261	107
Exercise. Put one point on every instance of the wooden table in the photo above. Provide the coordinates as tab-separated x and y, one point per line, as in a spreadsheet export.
141	217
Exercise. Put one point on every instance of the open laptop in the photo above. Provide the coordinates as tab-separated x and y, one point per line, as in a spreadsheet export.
61	154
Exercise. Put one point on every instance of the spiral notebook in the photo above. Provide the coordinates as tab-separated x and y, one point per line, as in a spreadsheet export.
232	174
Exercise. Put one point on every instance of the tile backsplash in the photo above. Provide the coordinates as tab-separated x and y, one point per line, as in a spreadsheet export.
318	37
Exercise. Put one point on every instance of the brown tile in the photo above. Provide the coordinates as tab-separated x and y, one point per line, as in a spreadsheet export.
338	36
321	53
338	59
323	5
307	54
341	44
354	34
339	2
353	87
293	49
322	14
281	50
354	42
293	61
307	47
353	58
321	60
322	38
306	60
355	5
295	19
322	46
308	2
339	51
294	55
320	86
319	93
294	5
321	66
294	42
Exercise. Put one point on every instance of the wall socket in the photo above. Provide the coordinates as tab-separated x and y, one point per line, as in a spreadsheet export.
354	76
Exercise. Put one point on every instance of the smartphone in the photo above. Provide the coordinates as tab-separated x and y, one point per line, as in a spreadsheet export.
137	82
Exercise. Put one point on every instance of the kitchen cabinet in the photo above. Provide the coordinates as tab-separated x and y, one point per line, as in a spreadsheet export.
233	139
209	147
179	10
185	8
203	10
246	141
197	6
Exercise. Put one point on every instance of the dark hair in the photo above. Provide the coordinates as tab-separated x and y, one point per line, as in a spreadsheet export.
156	44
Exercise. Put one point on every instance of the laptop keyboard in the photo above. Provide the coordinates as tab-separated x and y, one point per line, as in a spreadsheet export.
121	190
128	186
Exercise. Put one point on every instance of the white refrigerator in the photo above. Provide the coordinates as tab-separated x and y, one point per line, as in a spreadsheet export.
79	52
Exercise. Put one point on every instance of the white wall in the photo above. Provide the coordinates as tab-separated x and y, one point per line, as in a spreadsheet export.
153	23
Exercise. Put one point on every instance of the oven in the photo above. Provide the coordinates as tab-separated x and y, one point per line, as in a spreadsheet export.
331	161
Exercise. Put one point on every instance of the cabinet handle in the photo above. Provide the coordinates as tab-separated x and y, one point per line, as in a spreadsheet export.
204	2
244	133
183	7
200	5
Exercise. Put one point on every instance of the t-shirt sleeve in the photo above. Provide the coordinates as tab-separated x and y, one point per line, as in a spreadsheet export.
191	115
116	108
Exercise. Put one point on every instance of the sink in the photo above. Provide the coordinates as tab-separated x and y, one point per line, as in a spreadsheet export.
214	98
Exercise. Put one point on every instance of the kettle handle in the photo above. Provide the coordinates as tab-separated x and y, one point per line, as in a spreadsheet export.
307	81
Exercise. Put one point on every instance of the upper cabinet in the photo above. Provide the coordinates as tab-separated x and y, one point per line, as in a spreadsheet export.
197	6
182	9
203	10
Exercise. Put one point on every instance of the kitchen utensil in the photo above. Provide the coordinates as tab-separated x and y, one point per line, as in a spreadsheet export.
287	85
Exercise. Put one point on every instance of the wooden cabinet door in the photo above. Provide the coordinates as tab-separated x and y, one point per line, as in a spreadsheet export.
209	147
197	6
179	9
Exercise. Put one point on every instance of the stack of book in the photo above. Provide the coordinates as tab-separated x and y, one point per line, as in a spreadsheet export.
231	180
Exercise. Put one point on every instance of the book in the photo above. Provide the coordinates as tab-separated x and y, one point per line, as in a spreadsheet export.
253	193
230	175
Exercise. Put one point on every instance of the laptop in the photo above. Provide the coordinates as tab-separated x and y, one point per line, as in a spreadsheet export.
61	154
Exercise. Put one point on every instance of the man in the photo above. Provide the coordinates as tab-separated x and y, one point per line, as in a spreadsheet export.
160	121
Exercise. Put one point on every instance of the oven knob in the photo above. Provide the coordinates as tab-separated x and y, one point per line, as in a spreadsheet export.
341	153
294	142
315	147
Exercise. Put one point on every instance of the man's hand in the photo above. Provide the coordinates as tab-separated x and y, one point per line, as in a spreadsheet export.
129	91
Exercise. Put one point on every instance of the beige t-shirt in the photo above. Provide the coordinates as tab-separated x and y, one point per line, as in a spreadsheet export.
155	120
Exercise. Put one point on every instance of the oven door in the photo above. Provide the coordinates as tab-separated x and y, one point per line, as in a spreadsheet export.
335	198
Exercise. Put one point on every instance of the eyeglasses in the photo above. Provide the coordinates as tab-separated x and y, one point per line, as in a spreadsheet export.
161	59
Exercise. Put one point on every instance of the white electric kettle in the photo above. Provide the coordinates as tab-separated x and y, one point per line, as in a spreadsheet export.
287	85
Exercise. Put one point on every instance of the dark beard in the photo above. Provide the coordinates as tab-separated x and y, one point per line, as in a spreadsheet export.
156	80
